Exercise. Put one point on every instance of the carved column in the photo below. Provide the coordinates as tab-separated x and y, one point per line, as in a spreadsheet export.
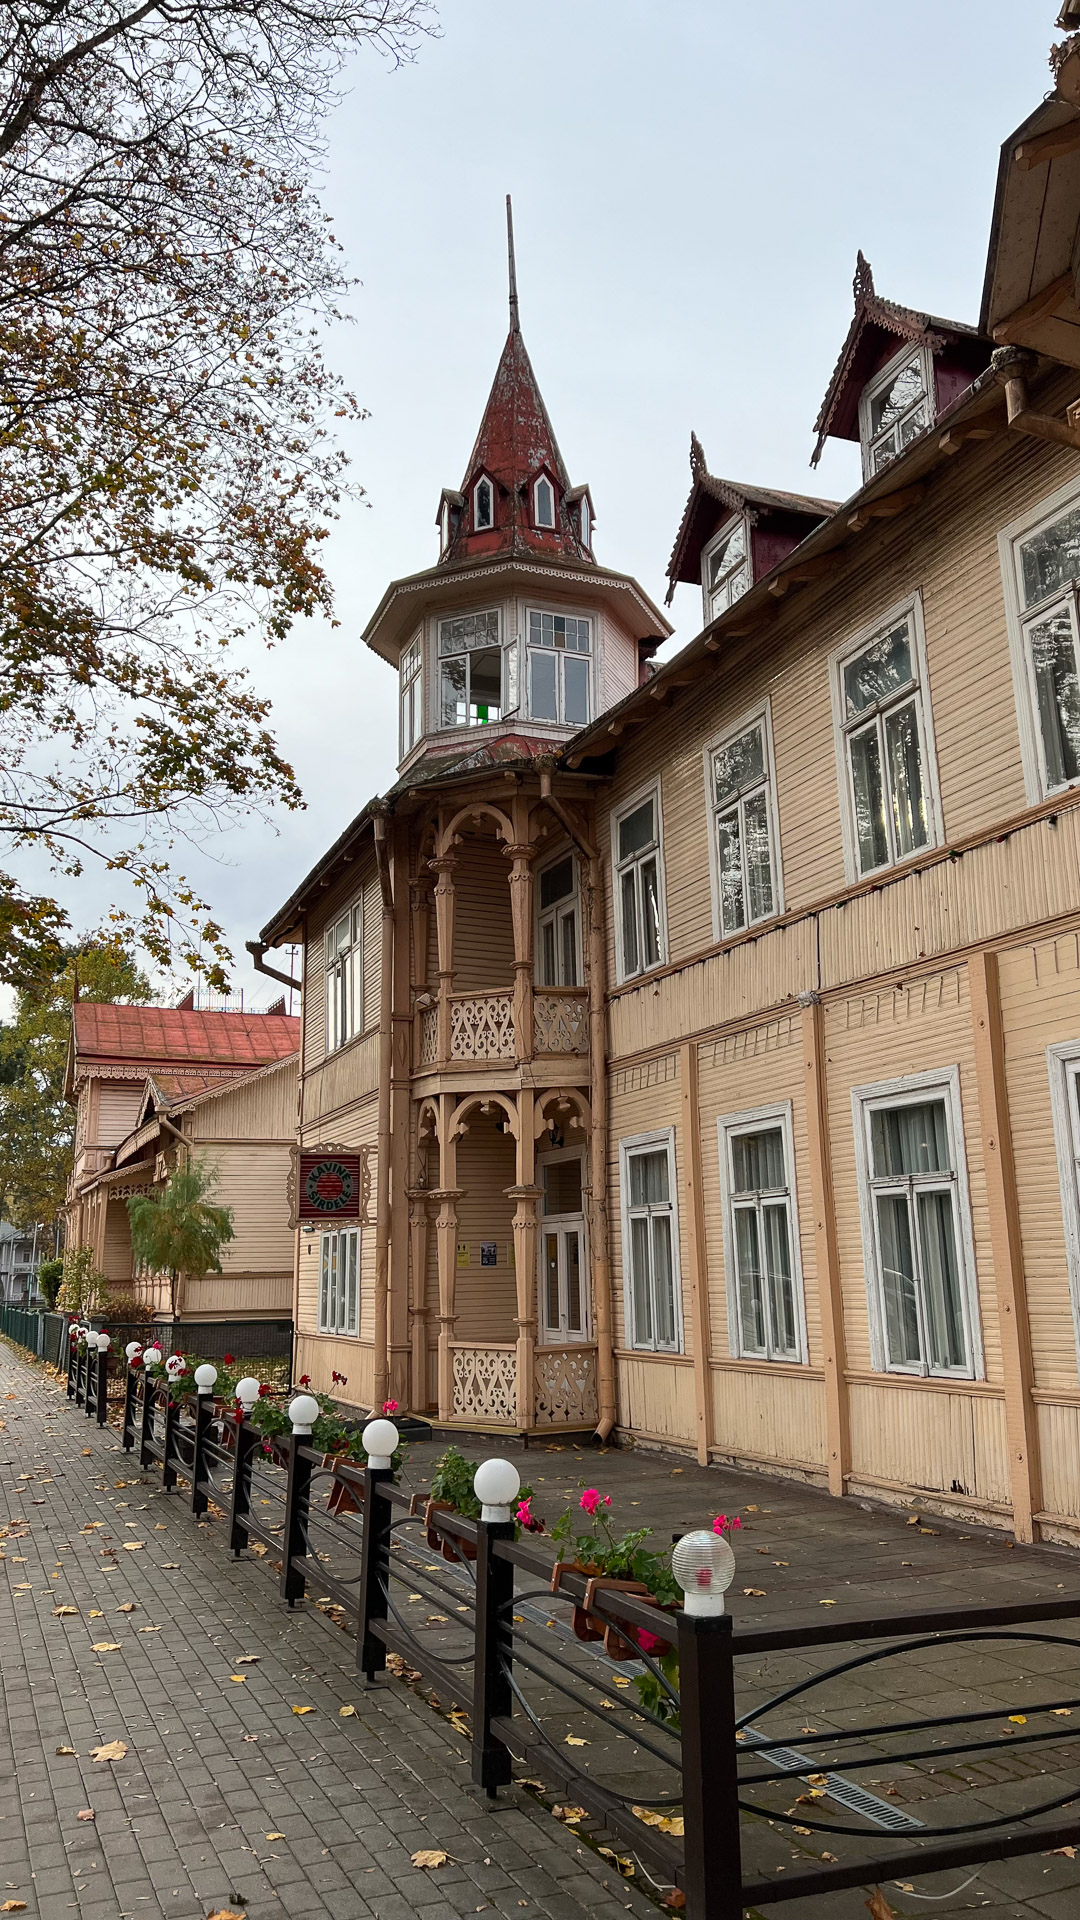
444	927
521	910
446	1228
421	1202
525	1227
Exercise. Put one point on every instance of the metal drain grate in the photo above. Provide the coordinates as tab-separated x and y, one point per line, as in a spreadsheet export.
846	1793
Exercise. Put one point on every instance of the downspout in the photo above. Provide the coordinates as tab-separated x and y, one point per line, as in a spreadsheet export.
386	1062
1012	367
598	1101
256	950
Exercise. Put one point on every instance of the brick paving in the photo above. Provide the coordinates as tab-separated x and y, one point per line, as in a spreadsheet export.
215	1766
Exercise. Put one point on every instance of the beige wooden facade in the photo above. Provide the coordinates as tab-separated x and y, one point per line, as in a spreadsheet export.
941	983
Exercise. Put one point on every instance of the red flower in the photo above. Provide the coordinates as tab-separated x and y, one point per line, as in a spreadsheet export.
229	1360
591	1499
389	1406
265	1389
305	1380
723	1525
648	1642
339	1379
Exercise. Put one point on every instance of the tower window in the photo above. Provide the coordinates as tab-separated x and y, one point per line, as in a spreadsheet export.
483	505
725	568
586	524
412	703
559	647
544	502
470	670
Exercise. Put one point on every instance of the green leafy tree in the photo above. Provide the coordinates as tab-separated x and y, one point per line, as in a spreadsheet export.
167	461
84	1288
180	1230
37	1126
50	1279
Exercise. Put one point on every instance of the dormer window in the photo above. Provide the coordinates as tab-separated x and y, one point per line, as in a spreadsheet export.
444	526
895	407
726	572
586	524
483	505
543	502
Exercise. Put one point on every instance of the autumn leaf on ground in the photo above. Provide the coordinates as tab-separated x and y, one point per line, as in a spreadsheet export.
238	1680
85	1813
826	1603
878	1907
572	1740
226	1913
303	1709
571	1815
126	1606
13	1906
112	1750
105	1646
62	1612
66	1750
1069	1852
149	1629
805	1831
346	1713
676	1900
247	1659
256	1546
755	1593
430	1857
1061	1713
1018	1719
134	1546
95	1613
275	1836
667	1822
829	1856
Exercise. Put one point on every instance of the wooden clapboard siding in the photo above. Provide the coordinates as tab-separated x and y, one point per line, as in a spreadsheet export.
757	1067
359	882
617	657
116	1104
485	1298
307	1313
321	1355
930	1439
252	1180
260	1107
259	1295
645	1099
768	1416
483	931
656	1397
337	1084
117	1263
915	1026
728	985
1059	1452
1040	1005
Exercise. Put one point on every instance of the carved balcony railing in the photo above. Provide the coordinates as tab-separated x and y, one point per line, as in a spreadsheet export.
485	1384
482	1026
566	1393
429	1036
560	1021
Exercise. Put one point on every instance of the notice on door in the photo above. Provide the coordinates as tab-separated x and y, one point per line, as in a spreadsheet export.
489	1253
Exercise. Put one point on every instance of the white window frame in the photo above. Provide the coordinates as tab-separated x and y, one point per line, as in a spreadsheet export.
942	1083
760	1120
1032	753
910	609
723	533
411	692
759	716
337	1313
483	526
570	903
562	1223
649	1142
884	378
652	790
560	656
1063	1067
344	974
506	704
585	524
544	480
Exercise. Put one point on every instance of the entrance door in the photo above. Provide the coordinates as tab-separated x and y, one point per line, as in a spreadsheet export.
564	1304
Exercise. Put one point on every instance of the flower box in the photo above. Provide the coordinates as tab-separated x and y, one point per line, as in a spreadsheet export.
587	1624
451	1550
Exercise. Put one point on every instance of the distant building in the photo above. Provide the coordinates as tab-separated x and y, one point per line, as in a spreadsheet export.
20	1251
154	1084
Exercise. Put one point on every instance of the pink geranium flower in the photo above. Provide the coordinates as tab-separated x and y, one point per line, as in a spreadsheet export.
722	1524
591	1499
648	1642
389	1406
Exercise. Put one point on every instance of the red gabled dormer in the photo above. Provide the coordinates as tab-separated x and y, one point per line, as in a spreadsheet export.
516	495
732	535
898	370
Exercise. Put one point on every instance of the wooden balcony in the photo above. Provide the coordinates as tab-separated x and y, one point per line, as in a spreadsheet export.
482	1028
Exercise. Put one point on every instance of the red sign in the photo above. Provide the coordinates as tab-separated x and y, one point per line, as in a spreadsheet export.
329	1186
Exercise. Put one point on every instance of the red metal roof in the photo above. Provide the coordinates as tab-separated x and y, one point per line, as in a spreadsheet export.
516	442
151	1034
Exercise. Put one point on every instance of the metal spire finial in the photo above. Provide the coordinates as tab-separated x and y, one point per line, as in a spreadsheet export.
514	322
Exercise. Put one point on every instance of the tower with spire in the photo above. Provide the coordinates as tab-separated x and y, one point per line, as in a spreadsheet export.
516	636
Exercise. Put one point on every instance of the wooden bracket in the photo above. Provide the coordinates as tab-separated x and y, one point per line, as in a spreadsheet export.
1016	324
1047	146
954	438
886	507
802	573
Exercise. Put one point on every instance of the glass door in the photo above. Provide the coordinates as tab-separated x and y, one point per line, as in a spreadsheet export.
564	1306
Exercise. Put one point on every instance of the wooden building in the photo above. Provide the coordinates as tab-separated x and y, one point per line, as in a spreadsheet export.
716	1053
154	1085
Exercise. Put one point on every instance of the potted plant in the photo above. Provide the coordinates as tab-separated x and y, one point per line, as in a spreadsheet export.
617	1562
654	1696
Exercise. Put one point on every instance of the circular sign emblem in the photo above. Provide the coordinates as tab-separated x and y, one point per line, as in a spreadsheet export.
329	1186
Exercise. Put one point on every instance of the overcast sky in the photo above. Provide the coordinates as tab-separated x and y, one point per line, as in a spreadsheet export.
691	182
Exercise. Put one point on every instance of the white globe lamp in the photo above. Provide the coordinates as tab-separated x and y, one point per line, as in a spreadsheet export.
205	1378
247	1392
133	1347
496	1484
303	1412
704	1567
380	1439
104	1342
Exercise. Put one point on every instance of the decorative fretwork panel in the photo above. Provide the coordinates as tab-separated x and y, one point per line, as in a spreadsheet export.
560	1023
482	1026
566	1387
485	1384
429	1036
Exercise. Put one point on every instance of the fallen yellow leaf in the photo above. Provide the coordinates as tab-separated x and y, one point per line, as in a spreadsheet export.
275	1836
303	1709
16	1906
247	1659
878	1907
126	1606
571	1815
133	1546
149	1629
66	1750
105	1646
1018	1719
755	1593
62	1612
85	1813
430	1857
226	1913
1062	1713
112	1750
572	1740
346	1713
826	1603
667	1822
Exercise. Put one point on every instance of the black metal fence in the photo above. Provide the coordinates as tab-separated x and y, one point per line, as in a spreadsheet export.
270	1342
42	1334
693	1751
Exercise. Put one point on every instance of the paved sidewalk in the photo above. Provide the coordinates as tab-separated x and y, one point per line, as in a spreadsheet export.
225	1796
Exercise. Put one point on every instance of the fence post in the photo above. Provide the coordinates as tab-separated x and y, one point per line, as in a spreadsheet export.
247	1441
297	1505
131	1394
172	1417
204	1414
102	1386
492	1694
713	1861
374	1571
70	1369
146	1427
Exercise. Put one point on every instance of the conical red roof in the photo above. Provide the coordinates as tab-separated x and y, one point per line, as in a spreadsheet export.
515	445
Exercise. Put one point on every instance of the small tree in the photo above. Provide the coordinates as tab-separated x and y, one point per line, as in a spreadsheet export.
83	1286
50	1279
180	1230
